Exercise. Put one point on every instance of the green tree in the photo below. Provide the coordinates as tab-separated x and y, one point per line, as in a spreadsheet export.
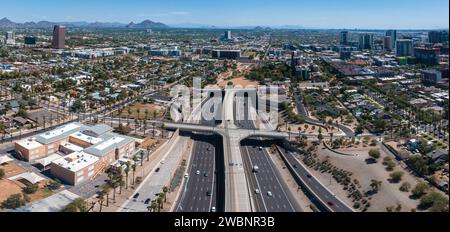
374	154
420	189
30	189
434	202
405	187
78	205
13	202
54	185
396	177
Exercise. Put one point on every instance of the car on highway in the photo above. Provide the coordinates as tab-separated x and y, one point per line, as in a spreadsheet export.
186	176
309	176
260	148
213	209
205	174
147	201
255	168
135	197
270	194
330	203
208	193
157	170
257	191
197	172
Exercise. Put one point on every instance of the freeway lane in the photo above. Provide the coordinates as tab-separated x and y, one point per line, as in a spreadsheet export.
201	178
273	195
203	189
318	190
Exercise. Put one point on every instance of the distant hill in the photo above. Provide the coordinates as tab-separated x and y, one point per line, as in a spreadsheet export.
147	24
6	23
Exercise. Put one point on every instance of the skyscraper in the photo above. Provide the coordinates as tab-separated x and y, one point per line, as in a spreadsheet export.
343	38
227	35
59	32
429	56
365	41
438	36
9	37
404	47
393	35
387	42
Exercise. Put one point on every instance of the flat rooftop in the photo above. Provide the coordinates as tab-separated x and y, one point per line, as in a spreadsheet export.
29	143
76	161
110	143
86	138
72	147
59	133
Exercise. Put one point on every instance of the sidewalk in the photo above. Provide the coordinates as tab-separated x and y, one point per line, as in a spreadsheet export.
144	171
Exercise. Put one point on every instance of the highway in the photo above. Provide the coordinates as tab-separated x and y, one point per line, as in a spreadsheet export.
323	195
273	195
204	188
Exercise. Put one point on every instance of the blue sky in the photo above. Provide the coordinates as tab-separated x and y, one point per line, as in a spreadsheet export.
368	14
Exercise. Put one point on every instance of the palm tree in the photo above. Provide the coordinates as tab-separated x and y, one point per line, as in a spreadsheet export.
160	203
165	191
127	171
129	114
101	198
145	125
133	167
106	189
146	113
148	152
136	124
153	124
153	206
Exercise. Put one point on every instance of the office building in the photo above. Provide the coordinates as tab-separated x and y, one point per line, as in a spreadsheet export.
438	36
387	43
429	56
365	41
431	77
30	40
393	35
404	48
343	38
59	32
9	38
226	54
227	35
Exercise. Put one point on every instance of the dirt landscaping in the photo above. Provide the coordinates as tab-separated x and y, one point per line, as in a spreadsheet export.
388	193
242	81
11	170
8	188
152	109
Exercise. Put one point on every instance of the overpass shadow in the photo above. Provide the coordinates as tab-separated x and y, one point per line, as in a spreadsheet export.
217	142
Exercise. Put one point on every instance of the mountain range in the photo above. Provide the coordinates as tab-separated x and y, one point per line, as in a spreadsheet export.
147	24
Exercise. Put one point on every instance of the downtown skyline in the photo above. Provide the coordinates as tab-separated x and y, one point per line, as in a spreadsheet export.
321	14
